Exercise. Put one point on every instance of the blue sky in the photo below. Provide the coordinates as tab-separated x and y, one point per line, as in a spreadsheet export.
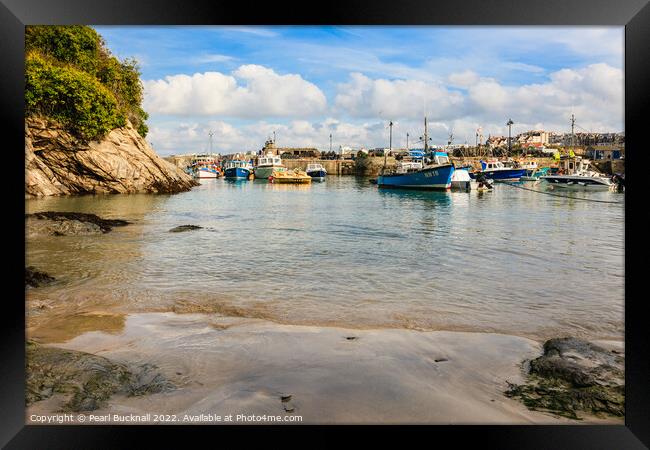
307	82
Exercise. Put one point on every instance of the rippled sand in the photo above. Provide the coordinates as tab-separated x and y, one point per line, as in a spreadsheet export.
226	365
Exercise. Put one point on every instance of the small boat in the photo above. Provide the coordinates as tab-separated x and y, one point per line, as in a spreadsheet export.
206	172
316	171
267	165
496	170
461	180
576	173
236	169
295	176
534	175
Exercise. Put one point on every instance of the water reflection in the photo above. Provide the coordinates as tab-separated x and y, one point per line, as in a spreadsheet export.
347	253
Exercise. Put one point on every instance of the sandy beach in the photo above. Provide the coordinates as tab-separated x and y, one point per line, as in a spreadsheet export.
223	365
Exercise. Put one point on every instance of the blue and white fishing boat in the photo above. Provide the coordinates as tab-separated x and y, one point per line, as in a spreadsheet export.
236	169
496	170
316	171
434	173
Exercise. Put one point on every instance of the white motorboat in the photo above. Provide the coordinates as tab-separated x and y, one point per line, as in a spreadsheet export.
576	173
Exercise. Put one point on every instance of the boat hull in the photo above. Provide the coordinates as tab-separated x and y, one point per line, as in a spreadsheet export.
205	174
237	173
317	175
577	182
438	177
502	175
460	180
265	172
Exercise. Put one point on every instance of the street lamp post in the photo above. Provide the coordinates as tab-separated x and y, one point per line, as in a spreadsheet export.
510	123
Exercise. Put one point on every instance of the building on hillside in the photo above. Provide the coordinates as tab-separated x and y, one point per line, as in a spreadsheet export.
494	142
599	153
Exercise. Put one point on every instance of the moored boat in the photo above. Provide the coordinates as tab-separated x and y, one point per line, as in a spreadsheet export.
267	165
316	171
416	175
236	169
295	176
576	173
461	180
206	172
419	172
497	171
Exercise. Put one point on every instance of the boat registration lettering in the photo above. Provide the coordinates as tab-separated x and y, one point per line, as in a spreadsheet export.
433	173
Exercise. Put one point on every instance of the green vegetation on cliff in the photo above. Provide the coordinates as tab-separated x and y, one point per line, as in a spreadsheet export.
71	77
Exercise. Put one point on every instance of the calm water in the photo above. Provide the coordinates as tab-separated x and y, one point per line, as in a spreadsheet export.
344	253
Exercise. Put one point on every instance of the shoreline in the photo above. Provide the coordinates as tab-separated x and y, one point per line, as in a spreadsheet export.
229	365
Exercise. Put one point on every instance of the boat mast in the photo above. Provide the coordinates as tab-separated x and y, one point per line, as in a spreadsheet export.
210	134
573	123
390	142
426	136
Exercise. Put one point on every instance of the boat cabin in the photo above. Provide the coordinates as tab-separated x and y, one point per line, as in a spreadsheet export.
570	166
269	160
408	166
314	167
437	158
492	165
237	163
529	165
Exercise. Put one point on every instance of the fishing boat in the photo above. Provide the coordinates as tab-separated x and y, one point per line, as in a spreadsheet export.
207	171
496	170
236	169
432	173
576	173
295	176
267	165
316	171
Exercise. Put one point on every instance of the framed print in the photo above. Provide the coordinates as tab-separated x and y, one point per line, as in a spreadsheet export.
361	215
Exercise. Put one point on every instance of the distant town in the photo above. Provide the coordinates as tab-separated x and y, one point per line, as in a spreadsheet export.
533	142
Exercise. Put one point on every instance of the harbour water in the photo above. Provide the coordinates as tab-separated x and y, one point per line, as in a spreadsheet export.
342	253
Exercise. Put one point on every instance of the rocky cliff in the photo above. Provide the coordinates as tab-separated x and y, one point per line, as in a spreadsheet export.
57	163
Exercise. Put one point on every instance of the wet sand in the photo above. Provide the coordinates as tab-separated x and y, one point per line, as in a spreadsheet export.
228	365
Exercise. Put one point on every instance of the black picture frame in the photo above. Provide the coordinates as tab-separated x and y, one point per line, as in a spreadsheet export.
633	14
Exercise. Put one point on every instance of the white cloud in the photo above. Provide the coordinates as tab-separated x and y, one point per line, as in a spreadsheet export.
463	79
251	91
213	58
364	106
393	99
594	93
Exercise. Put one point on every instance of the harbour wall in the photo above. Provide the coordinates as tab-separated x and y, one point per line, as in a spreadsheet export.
371	166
